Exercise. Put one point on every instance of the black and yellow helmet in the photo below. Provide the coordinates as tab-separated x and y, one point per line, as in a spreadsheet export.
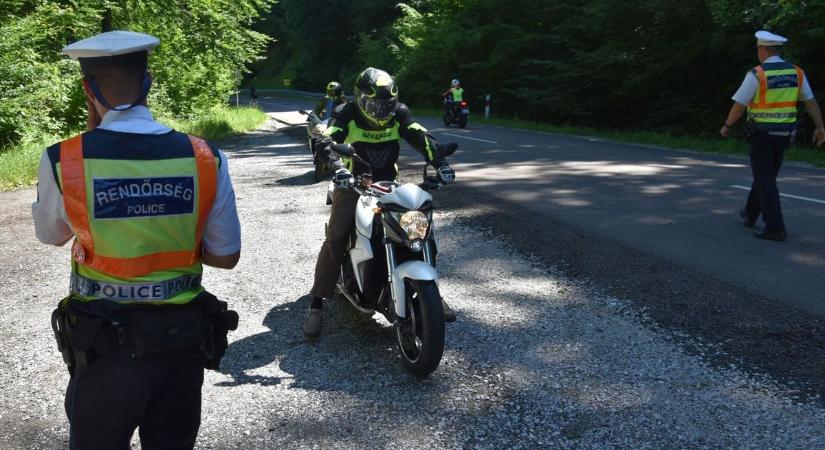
334	89
376	95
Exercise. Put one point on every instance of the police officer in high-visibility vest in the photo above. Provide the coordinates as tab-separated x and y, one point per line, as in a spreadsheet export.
770	94
146	207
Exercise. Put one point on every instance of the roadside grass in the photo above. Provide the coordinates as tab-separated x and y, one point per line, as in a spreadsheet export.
219	123
732	146
19	163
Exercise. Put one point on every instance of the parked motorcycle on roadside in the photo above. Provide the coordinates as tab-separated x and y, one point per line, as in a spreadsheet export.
315	131
455	112
390	263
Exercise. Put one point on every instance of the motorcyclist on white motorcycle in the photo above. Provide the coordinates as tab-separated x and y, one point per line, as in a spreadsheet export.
373	124
334	98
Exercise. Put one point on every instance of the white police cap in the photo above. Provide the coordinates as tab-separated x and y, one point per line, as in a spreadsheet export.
768	39
112	43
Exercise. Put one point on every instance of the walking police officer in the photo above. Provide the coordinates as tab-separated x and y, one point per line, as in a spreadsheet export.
147	206
769	94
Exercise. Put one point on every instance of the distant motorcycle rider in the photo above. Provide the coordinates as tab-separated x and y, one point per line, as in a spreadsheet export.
372	124
333	98
454	94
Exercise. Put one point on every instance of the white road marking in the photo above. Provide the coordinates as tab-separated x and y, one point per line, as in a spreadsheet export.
798	197
470	138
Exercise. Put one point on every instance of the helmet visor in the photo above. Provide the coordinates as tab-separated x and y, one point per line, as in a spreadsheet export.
378	108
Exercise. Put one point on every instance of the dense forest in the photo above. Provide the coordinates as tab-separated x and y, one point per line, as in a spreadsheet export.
631	64
205	47
667	65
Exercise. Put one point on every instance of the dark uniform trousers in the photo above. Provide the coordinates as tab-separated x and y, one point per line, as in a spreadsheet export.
341	223
108	399
766	155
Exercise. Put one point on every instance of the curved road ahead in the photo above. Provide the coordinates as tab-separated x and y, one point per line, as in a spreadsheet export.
676	205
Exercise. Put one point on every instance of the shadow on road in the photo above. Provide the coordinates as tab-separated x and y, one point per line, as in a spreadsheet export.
723	323
304	179
352	348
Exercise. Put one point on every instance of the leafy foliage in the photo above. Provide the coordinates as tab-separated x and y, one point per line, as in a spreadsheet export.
670	65
205	47
316	42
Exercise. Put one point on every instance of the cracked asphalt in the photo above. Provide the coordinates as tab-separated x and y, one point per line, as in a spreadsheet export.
544	355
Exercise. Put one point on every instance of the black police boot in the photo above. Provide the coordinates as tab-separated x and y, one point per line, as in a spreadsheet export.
780	235
746	221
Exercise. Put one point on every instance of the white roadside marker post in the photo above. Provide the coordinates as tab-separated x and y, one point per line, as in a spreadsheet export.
487	106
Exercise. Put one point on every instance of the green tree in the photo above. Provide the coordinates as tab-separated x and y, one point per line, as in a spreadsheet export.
205	46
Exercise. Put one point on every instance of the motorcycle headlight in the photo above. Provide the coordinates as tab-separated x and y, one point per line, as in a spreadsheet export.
415	224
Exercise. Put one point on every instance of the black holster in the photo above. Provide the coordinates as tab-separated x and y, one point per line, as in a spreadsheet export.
59	327
750	130
219	321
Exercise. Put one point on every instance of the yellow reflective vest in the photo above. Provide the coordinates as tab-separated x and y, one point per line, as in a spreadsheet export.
137	205
774	107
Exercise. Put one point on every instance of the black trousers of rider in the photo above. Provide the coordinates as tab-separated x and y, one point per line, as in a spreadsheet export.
107	400
339	227
767	153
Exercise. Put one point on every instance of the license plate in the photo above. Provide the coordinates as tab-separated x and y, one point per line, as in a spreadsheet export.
465	111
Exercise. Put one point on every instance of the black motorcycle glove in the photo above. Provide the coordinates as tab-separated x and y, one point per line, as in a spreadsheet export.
343	178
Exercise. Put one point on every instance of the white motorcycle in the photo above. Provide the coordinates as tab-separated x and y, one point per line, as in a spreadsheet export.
390	264
315	132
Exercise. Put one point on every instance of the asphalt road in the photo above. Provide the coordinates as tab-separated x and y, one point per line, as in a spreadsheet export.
654	226
676	205
540	357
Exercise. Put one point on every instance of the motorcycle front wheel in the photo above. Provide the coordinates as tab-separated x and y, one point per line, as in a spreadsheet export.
421	334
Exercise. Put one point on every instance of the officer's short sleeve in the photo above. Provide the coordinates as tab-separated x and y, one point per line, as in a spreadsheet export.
747	90
51	225
805	91
222	232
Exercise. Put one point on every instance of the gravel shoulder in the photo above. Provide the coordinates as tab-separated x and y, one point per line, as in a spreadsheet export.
539	357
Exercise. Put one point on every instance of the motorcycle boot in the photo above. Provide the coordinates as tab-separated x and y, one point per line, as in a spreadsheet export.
449	314
313	322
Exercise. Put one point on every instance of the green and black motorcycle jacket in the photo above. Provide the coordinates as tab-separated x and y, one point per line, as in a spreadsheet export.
379	147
